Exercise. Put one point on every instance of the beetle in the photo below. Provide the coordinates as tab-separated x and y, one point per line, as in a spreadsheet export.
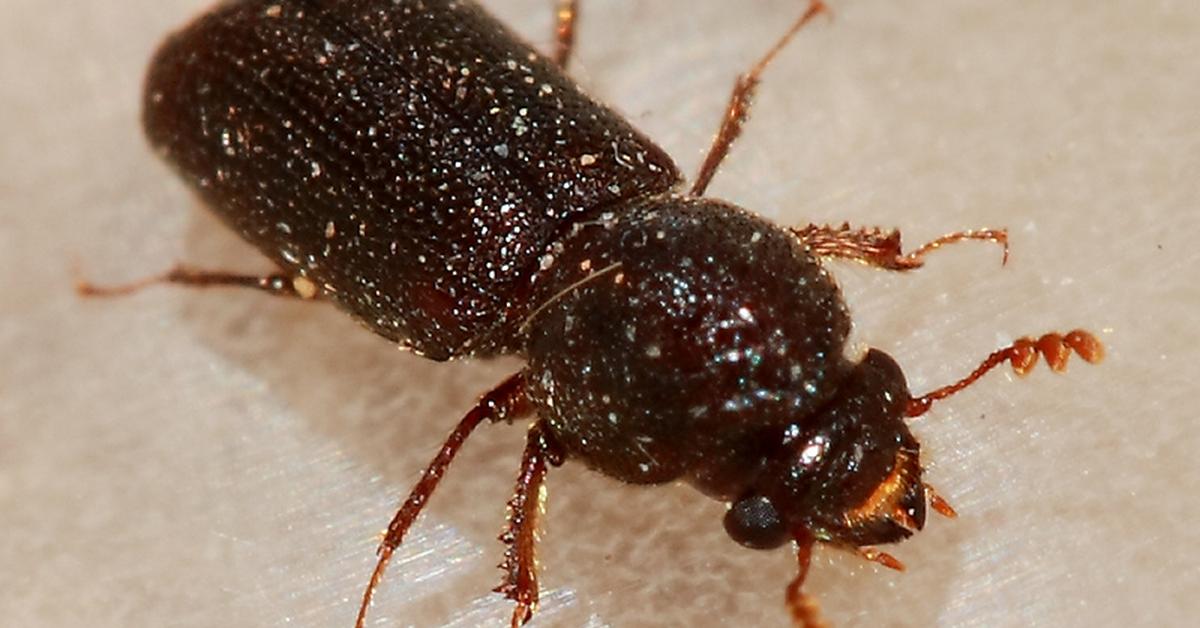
419	166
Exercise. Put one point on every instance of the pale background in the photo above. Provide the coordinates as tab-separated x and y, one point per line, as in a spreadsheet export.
225	459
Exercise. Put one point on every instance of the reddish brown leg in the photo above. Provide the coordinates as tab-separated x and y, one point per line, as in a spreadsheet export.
883	558
874	247
939	503
520	569
1023	355
739	102
277	284
806	613
566	15
504	402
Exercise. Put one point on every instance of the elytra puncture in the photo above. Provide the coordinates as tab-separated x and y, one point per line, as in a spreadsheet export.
416	164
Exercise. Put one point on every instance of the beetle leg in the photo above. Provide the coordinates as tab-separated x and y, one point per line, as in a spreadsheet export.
503	403
739	102
806	613
883	558
278	284
520	569
875	247
939	503
1023	355
566	15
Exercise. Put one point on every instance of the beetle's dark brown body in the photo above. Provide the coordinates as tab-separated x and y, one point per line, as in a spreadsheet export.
439	179
451	189
412	158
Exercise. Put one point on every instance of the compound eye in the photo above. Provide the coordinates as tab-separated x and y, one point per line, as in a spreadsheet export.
755	523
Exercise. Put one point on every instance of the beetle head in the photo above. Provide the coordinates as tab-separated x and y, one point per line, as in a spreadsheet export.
849	475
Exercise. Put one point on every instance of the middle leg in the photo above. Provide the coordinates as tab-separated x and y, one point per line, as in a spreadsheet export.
520	569
739	102
505	402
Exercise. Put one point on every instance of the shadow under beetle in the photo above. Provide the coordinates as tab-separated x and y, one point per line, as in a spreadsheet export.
415	163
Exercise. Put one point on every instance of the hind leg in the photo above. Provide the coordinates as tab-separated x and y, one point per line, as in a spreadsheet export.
278	284
565	16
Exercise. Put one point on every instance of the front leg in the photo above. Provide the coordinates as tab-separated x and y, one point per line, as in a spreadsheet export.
805	611
881	249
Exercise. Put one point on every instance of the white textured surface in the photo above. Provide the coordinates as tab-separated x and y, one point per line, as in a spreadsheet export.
222	459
